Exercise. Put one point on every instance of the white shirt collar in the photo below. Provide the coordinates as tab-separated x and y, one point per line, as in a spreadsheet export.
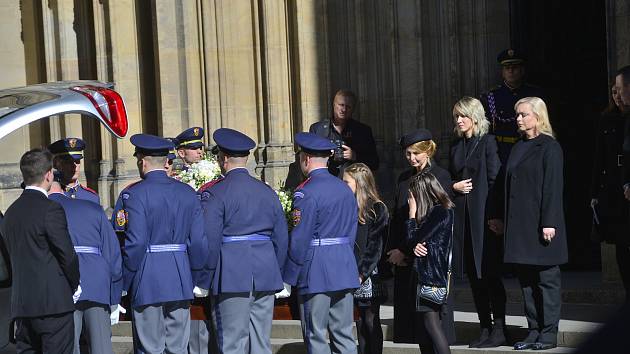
37	189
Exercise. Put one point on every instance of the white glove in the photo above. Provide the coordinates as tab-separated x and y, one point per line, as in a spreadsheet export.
76	295
199	292
114	315
284	293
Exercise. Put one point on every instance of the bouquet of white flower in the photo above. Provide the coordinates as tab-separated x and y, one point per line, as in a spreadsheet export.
286	199
200	172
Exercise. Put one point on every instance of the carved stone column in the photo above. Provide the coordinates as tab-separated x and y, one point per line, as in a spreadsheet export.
125	73
62	61
12	61
275	149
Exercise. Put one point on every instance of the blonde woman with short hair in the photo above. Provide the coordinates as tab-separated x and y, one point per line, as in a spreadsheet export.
474	165
533	222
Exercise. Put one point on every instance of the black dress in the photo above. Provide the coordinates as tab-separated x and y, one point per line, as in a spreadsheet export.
408	327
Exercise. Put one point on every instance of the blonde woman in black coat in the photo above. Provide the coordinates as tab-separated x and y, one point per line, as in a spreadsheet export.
533	222
474	165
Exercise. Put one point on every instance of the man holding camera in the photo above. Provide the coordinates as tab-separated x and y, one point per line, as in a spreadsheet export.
353	140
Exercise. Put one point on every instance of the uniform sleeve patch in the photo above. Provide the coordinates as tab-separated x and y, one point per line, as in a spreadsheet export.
296	216
298	194
125	196
121	217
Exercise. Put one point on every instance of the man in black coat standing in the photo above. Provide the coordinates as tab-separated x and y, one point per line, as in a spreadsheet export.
44	266
354	140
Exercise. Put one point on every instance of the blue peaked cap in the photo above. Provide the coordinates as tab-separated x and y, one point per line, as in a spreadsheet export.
190	138
232	142
314	144
151	145
72	147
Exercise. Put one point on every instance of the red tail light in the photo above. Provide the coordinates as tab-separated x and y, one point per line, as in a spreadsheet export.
109	105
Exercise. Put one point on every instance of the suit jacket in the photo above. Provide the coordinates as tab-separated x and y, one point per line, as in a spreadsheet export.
480	162
89	227
45	268
240	205
534	200
323	208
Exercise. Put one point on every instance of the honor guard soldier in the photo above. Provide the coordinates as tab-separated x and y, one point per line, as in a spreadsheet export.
67	155
190	146
321	262
499	102
164	244
248	239
101	270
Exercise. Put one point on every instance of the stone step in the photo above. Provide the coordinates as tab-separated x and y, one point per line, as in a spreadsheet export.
572	336
123	345
593	296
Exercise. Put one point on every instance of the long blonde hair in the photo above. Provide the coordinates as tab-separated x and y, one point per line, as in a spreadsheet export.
472	108
427	191
366	192
539	108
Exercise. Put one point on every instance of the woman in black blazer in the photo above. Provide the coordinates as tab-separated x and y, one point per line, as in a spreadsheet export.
474	164
533	222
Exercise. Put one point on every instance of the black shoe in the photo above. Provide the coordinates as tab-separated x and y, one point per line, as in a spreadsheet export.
496	338
483	336
523	345
543	346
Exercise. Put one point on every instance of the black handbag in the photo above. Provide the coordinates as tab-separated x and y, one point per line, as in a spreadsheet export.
437	294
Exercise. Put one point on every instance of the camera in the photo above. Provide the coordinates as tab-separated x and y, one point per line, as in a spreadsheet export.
338	152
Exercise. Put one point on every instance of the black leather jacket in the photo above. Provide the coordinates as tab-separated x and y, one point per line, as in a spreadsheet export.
357	136
436	229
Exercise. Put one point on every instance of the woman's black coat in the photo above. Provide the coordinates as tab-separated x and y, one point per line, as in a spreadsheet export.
482	165
533	200
370	239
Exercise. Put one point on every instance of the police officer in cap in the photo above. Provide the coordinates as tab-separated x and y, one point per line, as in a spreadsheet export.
499	102
248	239
190	146
321	261
100	265
67	155
164	244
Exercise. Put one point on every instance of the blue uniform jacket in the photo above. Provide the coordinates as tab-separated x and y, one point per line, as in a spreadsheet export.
323	207
78	191
160	210
88	226
242	205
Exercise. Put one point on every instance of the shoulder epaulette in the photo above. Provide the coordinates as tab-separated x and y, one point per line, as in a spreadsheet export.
210	184
131	185
89	189
301	185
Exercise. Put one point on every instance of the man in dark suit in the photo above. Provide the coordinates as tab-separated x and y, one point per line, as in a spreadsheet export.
353	140
45	268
